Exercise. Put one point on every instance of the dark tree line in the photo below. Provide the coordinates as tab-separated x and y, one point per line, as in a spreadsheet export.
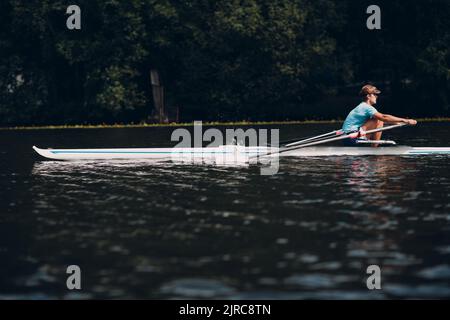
220	60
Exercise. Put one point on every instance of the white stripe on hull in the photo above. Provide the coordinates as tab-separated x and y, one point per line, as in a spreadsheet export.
365	151
225	151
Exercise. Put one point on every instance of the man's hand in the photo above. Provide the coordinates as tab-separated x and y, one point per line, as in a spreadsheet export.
411	122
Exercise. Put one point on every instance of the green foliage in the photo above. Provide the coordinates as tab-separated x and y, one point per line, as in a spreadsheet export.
219	60
118	93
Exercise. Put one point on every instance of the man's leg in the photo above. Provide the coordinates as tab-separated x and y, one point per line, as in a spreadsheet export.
373	124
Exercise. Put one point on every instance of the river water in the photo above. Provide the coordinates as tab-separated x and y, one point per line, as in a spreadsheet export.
145	230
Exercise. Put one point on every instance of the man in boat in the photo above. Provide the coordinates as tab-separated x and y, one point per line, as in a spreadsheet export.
365	117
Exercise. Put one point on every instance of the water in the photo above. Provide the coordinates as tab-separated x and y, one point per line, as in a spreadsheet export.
143	230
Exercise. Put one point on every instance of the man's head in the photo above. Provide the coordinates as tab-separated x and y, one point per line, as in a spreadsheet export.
369	94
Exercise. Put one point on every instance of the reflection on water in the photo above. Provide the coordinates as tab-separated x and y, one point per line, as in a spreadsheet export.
61	167
161	230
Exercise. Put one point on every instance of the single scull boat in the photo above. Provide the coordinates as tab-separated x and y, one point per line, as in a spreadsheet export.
185	153
303	148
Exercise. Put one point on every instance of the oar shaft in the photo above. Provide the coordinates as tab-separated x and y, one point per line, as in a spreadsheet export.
386	128
313	138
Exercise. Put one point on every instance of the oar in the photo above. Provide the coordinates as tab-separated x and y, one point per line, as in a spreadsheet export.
341	137
335	132
292	142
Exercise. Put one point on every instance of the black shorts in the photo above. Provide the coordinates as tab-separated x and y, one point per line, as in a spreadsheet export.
350	142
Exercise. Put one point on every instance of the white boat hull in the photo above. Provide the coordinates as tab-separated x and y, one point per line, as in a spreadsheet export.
228	152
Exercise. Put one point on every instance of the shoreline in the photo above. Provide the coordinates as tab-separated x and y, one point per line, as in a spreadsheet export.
190	124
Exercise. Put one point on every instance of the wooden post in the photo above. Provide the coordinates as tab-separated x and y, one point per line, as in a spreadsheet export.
158	94
162	117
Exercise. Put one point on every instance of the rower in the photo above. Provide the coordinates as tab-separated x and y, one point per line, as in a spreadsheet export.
365	117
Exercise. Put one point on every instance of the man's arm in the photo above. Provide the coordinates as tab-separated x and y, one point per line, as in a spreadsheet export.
388	118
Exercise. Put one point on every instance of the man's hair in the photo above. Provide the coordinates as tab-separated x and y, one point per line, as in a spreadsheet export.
368	89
